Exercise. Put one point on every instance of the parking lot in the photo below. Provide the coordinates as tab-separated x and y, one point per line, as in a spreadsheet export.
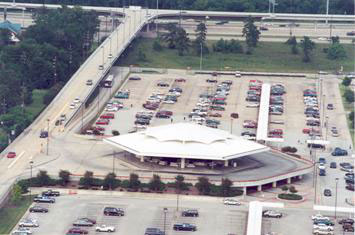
292	121
304	225
140	214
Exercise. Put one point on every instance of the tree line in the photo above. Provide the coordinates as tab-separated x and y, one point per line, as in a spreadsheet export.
48	53
283	6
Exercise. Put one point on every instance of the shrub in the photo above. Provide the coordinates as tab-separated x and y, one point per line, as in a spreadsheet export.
349	95
284	188
110	181
293	189
346	81
288	149
134	182
156	184
115	132
43	179
290	196
64	176
203	186
87	179
157	45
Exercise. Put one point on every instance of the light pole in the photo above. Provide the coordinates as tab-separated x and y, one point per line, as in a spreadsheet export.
156	18
47	135
110	55
165	211
31	164
103	55
327	11
200	56
336	197
326	127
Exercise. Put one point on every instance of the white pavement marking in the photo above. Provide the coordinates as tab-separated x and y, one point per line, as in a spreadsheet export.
16	159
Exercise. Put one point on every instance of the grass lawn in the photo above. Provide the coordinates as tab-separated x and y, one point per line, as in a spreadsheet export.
268	56
348	108
10	215
37	105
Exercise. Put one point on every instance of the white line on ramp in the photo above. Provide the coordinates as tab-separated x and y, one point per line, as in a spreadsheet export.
16	159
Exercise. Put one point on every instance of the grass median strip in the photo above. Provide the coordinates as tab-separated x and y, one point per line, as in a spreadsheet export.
10	214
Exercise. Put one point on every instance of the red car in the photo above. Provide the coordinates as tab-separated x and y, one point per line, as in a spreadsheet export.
276	132
108	116
166	112
180	80
250	124
77	231
99	128
150	107
103	122
215	115
11	155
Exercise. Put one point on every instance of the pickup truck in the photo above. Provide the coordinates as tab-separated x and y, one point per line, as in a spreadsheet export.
51	193
44	199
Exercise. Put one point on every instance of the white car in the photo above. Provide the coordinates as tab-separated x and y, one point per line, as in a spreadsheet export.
232	202
253	105
22	231
323	227
321	167
76	100
111	109
28	223
104	228
322	232
272	214
319	216
72	106
197	119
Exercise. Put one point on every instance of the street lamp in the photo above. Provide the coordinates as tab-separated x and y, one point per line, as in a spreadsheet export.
200	56
103	55
47	136
31	164
156	17
165	211
336	197
110	55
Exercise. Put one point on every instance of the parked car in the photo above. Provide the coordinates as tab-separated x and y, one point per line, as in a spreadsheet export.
330	106
28	223
89	82
323	227
112	211
43	134
102	122
350	187
351	33
190	213
346	221
38	209
339	152
215	115
211	80
105	228
51	193
135	78
333	165
319	216
22	231
84	222
323	221
327	192
74	231
184	227
107	116
180	80
153	231
248	133
11	155
348	227
322	232
272	214
163	84
232	202
44	199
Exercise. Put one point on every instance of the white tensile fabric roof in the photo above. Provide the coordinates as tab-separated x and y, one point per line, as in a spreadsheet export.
186	140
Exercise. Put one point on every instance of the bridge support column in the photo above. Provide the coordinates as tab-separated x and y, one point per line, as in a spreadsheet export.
141	158
300	177
148	27
274	184
288	180
226	163
259	188
244	191
182	163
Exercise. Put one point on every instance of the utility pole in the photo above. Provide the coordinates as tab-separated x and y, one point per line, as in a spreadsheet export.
156	18
31	164
47	136
201	56
327	12
336	197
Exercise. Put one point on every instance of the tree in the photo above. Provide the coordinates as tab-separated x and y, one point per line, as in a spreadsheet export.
346	81
134	182
200	41
156	184
336	51
16	194
171	36
292	41
251	33
141	55
351	117
179	184
157	45
226	187
64	176
42	178
284	188
349	95
110	181
292	189
203	186
220	45
182	42
87	180
5	37
307	45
